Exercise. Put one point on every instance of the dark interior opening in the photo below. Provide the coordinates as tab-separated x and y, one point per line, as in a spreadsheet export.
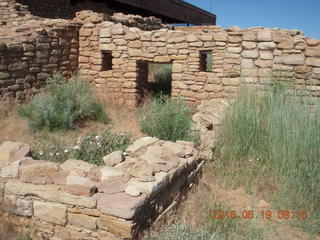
206	61
154	79
106	61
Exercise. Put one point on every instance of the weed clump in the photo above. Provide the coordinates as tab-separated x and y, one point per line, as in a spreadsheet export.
62	104
167	119
91	148
276	135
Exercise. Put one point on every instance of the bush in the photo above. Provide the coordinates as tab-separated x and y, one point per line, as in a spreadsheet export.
167	119
92	148
63	104
277	134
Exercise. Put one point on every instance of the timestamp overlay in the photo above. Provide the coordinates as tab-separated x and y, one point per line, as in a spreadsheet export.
265	214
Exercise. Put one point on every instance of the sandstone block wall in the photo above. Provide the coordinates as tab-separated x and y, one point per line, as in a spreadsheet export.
29	54
249	56
16	12
78	200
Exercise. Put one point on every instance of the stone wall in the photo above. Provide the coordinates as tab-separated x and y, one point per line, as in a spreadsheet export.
78	200
250	56
29	54
16	12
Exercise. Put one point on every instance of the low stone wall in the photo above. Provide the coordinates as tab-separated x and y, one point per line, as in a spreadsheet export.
31	52
78	200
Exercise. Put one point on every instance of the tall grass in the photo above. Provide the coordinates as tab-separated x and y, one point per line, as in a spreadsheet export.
62	104
278	135
167	119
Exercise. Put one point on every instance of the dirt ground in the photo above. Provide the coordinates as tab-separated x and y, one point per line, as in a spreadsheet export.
15	128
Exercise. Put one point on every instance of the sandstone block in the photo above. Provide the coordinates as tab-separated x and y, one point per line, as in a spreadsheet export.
120	205
117	29
314	62
221	36
110	173
132	191
83	221
135	44
162	59
265	35
263	63
38	171
293	59
18	206
247	63
135	52
153	155
142	171
80	186
249	45
113	158
11	170
151	189
250	54
12	151
313	51
111	187
266	45
131	36
286	44
73	165
105	33
141	143
50	212
124	229
78	201
46	192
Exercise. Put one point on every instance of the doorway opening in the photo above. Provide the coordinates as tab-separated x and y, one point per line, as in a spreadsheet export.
154	79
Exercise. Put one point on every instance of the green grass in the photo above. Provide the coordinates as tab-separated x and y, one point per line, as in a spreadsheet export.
270	143
63	104
167	119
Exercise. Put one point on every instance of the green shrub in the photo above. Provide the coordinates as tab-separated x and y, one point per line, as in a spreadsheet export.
92	148
63	104
274	134
167	119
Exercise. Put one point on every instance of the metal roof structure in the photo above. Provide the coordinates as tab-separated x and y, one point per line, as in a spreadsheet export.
170	11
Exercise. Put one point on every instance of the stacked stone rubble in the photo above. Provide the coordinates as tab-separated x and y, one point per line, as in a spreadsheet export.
78	200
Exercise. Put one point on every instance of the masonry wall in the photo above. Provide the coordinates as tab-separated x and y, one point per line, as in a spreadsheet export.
249	56
29	55
78	200
14	12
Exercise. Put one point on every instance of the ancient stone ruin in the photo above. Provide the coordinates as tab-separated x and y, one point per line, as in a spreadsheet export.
114	53
78	200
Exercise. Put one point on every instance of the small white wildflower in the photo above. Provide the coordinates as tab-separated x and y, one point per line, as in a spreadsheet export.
99	144
121	134
41	153
97	137
66	150
250	160
76	147
51	154
90	142
125	154
57	154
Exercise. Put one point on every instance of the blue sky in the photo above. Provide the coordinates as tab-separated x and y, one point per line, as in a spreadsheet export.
290	14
